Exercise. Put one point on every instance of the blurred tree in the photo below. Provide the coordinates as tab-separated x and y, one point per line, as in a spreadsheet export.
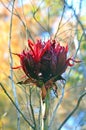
63	20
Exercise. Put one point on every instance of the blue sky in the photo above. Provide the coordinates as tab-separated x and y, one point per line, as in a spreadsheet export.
76	5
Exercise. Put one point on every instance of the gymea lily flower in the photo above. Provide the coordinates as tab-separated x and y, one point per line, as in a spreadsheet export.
44	61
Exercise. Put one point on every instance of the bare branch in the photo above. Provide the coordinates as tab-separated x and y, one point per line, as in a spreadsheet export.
77	18
19	17
11	64
55	110
76	107
15	105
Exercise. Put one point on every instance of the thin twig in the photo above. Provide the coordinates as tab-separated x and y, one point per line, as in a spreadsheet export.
11	64
27	100
76	107
32	111
34	16
25	20
19	17
79	43
60	22
78	20
55	110
16	106
48	21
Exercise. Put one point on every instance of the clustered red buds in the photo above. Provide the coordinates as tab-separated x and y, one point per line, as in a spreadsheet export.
45	60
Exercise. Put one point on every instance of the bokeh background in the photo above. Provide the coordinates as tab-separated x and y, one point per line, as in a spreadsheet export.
64	20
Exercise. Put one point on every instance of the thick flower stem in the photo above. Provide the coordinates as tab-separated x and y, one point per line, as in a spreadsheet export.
45	124
46	110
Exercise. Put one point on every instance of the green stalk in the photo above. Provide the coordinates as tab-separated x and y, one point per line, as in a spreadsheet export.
47	105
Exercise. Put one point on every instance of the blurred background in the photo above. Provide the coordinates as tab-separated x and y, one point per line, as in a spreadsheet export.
64	20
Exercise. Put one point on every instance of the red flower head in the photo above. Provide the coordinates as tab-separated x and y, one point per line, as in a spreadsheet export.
45	60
